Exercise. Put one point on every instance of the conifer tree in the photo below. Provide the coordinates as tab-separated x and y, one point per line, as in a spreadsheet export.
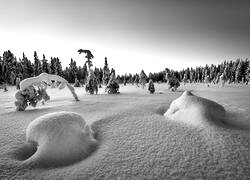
37	65
8	65
89	56
151	86
91	84
239	72
192	75
143	78
247	74
45	65
106	72
58	66
101	75
27	69
136	80
113	85
85	72
1	70
19	69
72	71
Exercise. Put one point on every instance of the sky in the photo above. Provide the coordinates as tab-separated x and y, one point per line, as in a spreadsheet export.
133	34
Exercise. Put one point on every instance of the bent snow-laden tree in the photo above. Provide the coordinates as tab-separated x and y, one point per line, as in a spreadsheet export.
89	56
32	90
92	81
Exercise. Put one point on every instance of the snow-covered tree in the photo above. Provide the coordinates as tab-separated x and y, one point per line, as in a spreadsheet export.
143	78
37	65
92	83
106	72
45	65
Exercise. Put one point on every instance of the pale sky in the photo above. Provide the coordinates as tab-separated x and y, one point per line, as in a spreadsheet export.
133	34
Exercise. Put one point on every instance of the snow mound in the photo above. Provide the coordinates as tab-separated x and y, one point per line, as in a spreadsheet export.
61	138
195	110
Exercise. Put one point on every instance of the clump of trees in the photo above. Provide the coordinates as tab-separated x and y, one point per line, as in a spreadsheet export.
11	67
172	80
109	79
112	86
237	71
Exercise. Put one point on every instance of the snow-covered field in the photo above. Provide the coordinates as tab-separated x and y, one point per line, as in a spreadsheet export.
135	140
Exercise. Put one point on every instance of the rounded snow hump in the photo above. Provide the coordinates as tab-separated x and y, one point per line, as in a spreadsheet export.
60	138
195	110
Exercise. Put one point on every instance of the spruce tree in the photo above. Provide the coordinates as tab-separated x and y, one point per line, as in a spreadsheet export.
8	65
52	65
85	73
151	86
106	72
58	67
72	71
1	70
27	69
239	72
45	65
91	84
101	75
19	69
137	79
113	85
37	65
247	73
143	78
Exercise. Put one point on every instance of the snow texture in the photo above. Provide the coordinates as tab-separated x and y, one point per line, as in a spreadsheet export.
135	140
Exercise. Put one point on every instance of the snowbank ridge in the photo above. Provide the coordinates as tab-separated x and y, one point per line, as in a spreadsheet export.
195	110
61	138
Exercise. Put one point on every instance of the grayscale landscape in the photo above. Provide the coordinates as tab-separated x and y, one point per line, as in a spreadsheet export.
122	89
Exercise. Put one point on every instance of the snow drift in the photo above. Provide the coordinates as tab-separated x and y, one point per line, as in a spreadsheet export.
195	110
61	138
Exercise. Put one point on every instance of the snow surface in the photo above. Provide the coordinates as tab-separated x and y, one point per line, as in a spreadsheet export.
61	138
135	140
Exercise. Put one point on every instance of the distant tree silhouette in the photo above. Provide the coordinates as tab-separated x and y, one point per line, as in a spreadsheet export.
92	81
37	65
72	71
106	72
8	65
247	73
151	86
136	80
237	71
89	56
27	67
45	65
143	78
113	85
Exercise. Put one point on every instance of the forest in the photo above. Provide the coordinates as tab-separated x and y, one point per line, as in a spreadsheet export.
233	71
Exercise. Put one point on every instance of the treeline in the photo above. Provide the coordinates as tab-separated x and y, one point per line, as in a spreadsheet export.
237	71
11	68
